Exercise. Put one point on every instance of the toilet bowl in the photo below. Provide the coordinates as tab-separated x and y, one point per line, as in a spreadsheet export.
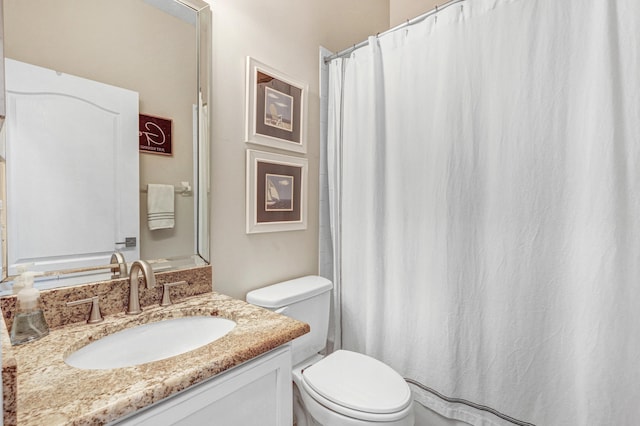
344	388
349	388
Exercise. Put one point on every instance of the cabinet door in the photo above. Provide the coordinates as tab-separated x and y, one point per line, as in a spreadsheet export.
256	393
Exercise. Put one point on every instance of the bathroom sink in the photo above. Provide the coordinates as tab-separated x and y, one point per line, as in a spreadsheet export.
150	342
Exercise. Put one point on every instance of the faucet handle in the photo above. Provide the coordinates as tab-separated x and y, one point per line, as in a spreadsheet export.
119	266
94	316
166	297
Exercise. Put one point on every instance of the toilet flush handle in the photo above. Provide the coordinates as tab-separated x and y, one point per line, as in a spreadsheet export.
282	311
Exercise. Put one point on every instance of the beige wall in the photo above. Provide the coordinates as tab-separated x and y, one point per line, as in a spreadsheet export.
286	35
129	44
401	10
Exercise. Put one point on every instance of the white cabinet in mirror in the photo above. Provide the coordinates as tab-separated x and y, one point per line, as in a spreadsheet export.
75	184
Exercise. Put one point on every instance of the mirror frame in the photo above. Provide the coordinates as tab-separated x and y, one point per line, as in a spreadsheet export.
202	186
204	58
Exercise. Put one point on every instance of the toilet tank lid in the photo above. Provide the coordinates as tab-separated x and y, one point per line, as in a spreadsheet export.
288	292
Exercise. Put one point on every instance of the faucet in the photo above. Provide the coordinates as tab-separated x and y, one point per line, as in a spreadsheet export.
134	297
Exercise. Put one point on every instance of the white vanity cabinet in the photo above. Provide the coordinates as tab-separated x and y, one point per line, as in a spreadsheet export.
258	392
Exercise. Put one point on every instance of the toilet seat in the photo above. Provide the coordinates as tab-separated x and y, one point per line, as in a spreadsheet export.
358	386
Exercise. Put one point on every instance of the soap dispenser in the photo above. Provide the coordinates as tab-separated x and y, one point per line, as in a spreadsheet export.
29	323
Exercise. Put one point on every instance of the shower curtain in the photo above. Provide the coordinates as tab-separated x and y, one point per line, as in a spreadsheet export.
484	191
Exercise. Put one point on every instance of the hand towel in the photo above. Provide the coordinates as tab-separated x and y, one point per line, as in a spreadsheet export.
160	206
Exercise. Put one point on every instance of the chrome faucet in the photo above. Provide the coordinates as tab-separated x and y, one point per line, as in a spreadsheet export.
134	297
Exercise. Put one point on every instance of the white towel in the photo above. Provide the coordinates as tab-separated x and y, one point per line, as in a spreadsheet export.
160	206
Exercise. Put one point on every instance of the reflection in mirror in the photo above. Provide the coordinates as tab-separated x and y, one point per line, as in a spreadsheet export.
157	50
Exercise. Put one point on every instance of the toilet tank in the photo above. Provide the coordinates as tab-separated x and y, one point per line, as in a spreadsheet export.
306	299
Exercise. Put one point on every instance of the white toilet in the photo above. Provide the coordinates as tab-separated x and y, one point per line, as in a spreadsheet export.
341	389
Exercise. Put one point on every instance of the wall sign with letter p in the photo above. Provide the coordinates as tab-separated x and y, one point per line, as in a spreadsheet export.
155	135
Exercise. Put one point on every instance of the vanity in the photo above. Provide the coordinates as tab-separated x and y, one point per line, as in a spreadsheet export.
243	377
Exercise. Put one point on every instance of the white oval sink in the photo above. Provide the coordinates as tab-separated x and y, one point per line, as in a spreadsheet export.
150	342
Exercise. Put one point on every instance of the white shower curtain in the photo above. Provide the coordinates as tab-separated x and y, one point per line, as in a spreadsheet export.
484	174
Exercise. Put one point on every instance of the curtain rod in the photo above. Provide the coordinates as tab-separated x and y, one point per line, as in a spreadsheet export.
408	23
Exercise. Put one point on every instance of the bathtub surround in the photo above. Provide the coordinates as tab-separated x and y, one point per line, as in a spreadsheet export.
486	169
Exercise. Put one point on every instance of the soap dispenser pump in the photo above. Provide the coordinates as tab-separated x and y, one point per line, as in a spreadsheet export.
29	323
18	283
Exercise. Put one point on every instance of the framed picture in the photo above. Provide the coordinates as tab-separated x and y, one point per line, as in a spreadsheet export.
276	108
276	192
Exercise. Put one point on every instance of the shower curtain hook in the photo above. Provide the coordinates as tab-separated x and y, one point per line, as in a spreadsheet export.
435	19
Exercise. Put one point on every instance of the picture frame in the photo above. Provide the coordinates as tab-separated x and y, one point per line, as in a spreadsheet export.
276	108
276	192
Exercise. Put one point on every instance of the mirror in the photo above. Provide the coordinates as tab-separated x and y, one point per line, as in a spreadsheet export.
157	48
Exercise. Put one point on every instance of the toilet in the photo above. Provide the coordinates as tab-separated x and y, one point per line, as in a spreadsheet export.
344	388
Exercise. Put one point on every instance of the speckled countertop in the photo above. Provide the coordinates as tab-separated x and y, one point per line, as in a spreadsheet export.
52	393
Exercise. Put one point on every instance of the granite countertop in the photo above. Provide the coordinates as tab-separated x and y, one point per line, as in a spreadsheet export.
52	393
